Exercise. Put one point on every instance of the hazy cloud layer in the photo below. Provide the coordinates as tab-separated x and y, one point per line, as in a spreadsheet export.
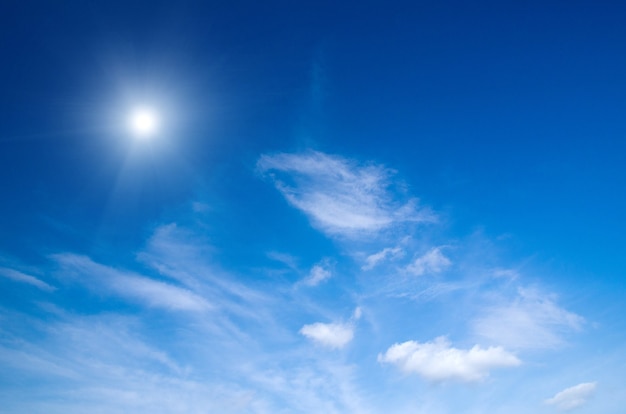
531	320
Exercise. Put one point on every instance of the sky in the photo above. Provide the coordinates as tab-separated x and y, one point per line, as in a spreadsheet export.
344	207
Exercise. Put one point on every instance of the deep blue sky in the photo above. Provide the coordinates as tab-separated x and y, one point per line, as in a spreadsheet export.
297	137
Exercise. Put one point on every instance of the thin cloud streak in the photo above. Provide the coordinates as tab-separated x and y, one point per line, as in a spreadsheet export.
104	279
24	278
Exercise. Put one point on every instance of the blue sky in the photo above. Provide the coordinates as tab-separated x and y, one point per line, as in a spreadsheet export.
345	208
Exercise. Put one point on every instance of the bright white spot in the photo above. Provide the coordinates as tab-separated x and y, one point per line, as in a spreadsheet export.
144	122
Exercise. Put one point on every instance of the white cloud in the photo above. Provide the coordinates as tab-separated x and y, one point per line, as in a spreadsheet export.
185	256
174	252
439	361
318	274
530	320
510	274
339	196
109	363
158	294
105	279
24	278
432	261
284	258
573	397
332	335
373	260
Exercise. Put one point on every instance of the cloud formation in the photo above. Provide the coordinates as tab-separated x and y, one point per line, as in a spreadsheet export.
387	253
532	321
332	335
128	285
24	278
318	274
573	397
340	196
432	261
439	361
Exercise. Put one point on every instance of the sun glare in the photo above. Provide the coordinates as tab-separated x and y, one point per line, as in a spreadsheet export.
144	122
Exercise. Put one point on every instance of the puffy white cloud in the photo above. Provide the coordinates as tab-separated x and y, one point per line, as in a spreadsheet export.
340	196
24	278
332	335
439	361
432	261
530	320
573	397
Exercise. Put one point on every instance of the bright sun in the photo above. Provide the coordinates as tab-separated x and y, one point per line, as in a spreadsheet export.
144	122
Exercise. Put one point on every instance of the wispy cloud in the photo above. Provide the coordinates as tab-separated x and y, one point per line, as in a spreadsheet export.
530	320
439	361
318	274
182	255
321	385
270	341
24	278
432	261
340	196
128	285
108	363
573	397
288	260
174	251
373	260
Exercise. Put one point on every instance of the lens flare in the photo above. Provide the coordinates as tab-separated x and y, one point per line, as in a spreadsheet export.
144	122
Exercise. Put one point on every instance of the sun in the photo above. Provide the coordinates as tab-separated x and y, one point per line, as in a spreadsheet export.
144	122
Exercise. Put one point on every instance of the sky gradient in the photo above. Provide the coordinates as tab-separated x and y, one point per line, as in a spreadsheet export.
346	208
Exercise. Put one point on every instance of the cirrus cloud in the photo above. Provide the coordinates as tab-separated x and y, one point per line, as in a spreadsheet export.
340	196
532	320
18	276
128	285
